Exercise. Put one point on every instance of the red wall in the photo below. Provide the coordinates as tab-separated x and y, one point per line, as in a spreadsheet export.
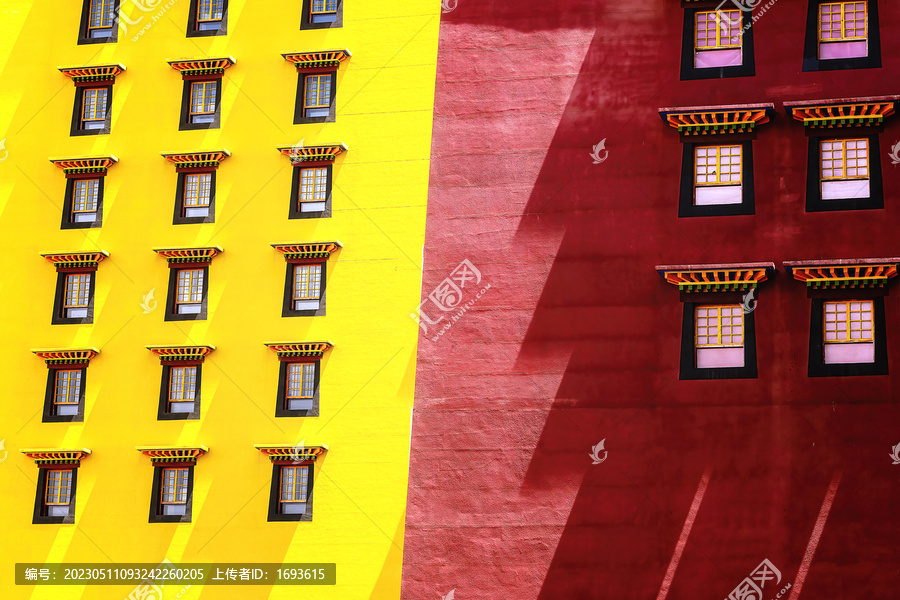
578	338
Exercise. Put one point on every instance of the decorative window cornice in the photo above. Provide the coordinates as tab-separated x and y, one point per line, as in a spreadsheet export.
709	120
173	454
317	58
182	353
293	453
308	250
177	256
838	274
70	260
194	160
85	164
56	456
717	278
847	112
93	74
302	154
66	356
202	66
286	350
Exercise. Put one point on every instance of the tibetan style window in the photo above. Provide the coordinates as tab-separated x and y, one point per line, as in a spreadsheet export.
208	17
73	302
842	35
298	378
172	489
317	75
83	201
718	338
847	333
322	14
92	113
202	96
54	502
66	381
99	22
179	390
304	283
188	281
717	158
293	472
717	43
313	174
195	192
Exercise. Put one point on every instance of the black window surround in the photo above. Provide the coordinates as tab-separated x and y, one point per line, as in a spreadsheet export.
814	201
281	409
686	206
688	369
294	209
110	35
817	365
68	221
178	217
747	68
307	20
77	124
163	413
197	28
275	513
59	317
185	123
41	516
49	412
156	504
299	110
811	60
287	309
171	315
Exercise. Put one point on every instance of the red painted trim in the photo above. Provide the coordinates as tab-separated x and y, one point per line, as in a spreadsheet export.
286	462
75	269
168	465
65	465
202	77
316	70
305	261
312	163
189	265
195	169
69	367
180	363
298	359
93	84
86	175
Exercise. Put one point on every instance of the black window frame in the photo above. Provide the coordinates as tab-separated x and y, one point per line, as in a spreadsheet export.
306	17
275	494
47	414
299	117
163	414
688	369
817	366
686	206
294	211
281	409
814	201
287	309
156	504
40	506
77	128
192	26
811	60
67	221
689	72
59	298
84	33
178	217
184	123
171	315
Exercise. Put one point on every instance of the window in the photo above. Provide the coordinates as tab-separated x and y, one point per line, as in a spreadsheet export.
842	35
182	389
718	340
311	191
82	207
99	21
290	497
172	494
304	290
74	304
844	175
55	499
208	17
91	115
847	336
64	400
189	293
716	180
201	104
316	92
716	44
194	202
298	393
319	14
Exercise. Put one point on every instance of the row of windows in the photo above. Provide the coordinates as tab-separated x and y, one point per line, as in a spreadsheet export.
717	179
840	35
100	19
179	395
172	494
201	104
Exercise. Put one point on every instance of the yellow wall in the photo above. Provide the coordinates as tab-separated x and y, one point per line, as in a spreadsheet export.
384	113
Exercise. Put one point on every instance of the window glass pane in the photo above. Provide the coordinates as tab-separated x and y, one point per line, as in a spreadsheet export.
717	165
68	386
197	189
85	194
174	486
844	159
849	321
59	487
313	184
101	14
318	91
307	282
203	97
301	380
190	286
719	326
77	290
182	384
293	483
210	10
